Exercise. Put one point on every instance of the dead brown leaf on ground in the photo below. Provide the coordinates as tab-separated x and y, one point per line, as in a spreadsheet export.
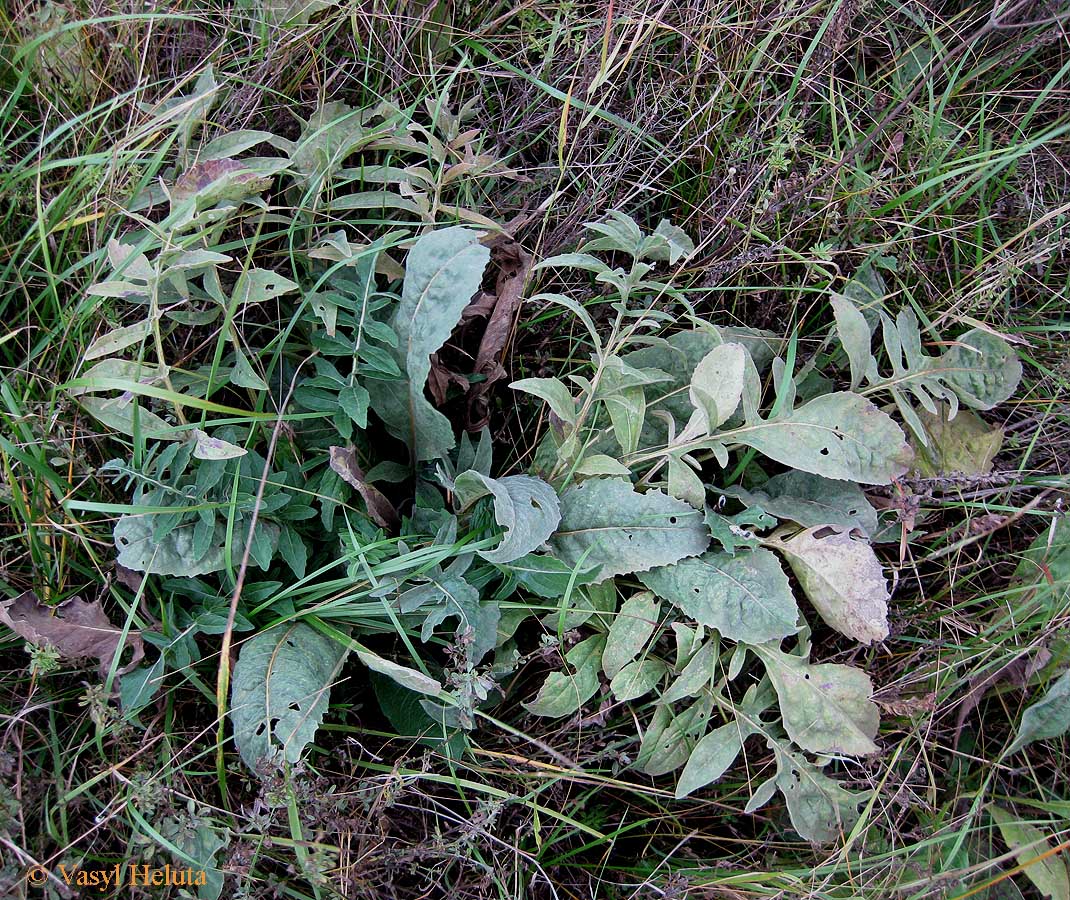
514	266
75	628
344	463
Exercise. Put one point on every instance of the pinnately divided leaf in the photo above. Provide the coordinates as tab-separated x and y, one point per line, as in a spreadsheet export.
280	691
606	522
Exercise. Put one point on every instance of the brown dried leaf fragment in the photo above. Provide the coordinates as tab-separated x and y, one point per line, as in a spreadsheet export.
514	266
1016	673
76	629
344	462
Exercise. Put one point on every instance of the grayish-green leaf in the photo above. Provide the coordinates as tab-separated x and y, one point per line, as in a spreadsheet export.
812	500
717	384
280	691
670	737
623	530
127	415
198	844
525	506
546	576
982	368
553	391
843	579
696	674
261	285
116	340
1049	875
177	553
712	756
685	484
820	809
842	436
855	336
637	678
672	244
826	707
244	375
444	269
563	692
1048	718
631	629
207	447
406	676
600	464
746	597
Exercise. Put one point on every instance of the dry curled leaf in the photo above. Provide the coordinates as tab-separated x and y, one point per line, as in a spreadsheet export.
344	463
75	628
513	265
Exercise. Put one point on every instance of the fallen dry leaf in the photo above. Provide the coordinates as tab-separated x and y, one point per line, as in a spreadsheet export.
344	462
1017	673
76	629
514	266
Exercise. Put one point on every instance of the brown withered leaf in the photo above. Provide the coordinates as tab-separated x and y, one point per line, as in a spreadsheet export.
76	629
229	179
1015	673
514	266
344	462
440	378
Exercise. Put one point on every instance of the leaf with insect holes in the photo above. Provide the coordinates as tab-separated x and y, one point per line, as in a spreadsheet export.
843	579
261	285
712	756
280	691
118	339
606	522
444	269
717	384
631	629
820	810
840	435
826	707
525	506
1048	718
1029	844
565	692
745	596
810	500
